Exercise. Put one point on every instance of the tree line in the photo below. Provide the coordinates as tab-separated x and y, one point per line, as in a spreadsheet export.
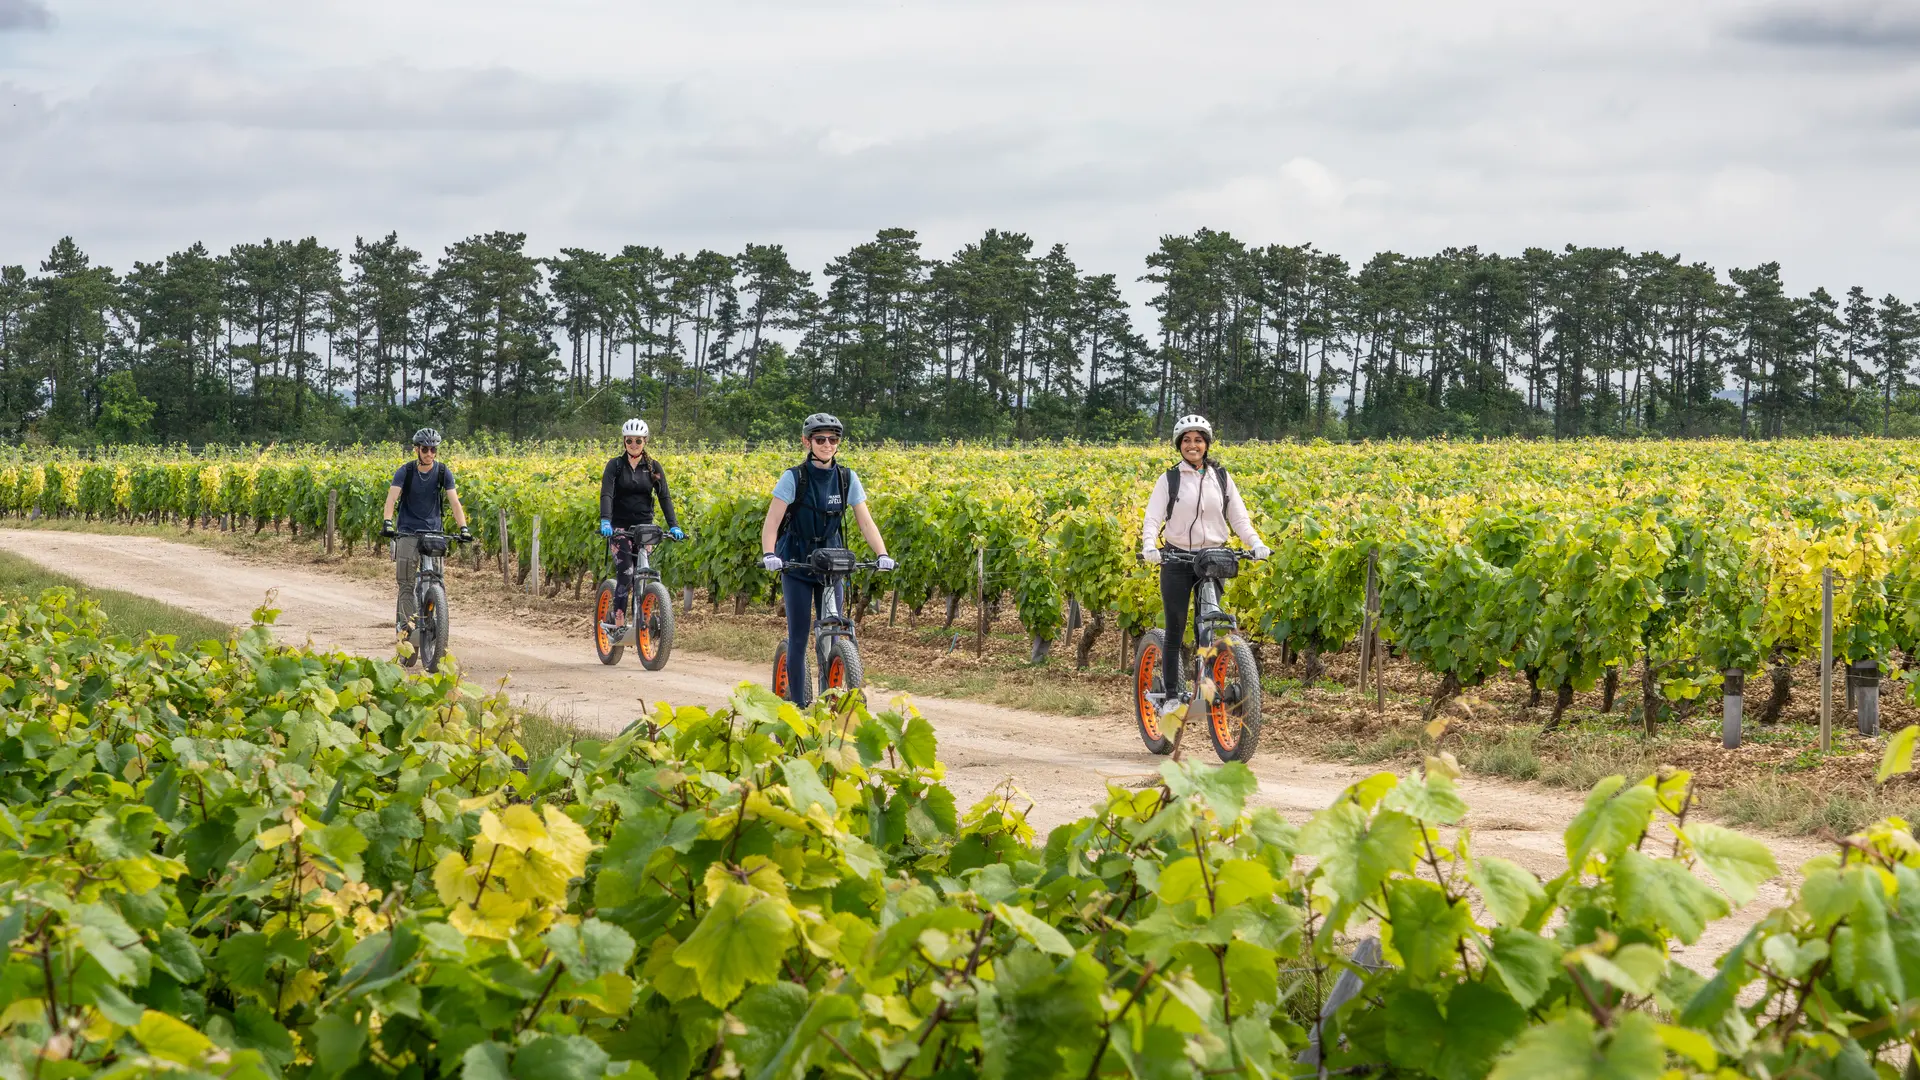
297	340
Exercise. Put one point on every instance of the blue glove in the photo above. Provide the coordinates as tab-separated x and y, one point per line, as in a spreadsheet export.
677	533
606	527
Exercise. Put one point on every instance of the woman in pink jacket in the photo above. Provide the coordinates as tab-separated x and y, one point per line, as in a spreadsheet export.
1194	505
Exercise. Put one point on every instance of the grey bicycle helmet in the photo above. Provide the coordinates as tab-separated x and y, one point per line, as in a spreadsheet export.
821	422
426	436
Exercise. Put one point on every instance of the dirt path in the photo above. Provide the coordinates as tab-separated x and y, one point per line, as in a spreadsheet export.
1062	762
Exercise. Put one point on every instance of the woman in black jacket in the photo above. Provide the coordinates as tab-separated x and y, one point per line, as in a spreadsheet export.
628	486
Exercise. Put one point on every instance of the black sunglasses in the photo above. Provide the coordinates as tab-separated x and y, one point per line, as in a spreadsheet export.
827	440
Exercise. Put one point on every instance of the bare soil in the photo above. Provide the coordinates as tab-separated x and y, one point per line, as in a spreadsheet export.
1062	758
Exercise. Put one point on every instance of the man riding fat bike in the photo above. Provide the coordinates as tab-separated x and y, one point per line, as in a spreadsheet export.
805	515
1198	506
629	486
416	494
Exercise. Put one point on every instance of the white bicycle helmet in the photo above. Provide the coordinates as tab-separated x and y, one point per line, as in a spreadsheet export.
1193	422
635	426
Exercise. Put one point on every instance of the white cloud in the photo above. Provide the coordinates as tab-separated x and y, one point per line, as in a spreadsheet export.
1709	129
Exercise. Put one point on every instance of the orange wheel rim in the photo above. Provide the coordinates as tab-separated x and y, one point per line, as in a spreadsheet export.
645	628
1225	726
600	614
780	676
837	674
1143	685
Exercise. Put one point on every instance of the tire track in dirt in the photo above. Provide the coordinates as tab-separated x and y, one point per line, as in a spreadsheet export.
1062	763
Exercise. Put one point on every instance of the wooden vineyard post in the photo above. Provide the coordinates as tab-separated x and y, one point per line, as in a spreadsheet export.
980	601
686	598
1731	702
506	581
1366	622
1826	659
1866	676
333	514
534	574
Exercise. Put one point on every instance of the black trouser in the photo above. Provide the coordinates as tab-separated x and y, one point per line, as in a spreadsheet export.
624	561
1176	597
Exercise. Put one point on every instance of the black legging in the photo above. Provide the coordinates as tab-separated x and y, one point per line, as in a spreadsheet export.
1176	597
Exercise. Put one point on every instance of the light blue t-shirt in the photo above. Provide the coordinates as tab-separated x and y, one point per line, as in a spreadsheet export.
785	492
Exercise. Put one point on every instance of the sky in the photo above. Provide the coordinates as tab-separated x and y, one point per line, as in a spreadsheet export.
1730	133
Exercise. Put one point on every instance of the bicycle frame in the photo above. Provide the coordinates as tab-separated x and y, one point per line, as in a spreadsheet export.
643	538
431	569
832	621
1210	620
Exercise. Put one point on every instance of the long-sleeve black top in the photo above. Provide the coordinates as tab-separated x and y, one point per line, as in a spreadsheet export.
627	492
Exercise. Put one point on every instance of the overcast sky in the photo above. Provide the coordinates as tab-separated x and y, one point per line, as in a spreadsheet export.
1733	133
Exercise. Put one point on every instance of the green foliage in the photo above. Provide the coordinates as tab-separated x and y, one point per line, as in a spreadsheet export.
252	861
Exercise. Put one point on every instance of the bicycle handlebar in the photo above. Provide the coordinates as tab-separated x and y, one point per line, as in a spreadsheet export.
1178	555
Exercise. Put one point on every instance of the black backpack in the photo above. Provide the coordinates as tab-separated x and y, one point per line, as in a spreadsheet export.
1173	487
801	485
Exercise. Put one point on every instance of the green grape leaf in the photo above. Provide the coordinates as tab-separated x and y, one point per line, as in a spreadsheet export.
803	780
917	744
771	1014
1610	820
1899	756
1526	961
1035	929
1432	799
1357	856
169	1039
485	1061
1863	956
1663	894
1032	1013
1423	927
1632	969
592	949
1738	863
1223	788
1509	890
560	1057
1481	1022
339	1039
741	939
1253	974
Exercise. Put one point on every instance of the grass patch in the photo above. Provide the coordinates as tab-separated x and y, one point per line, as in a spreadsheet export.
1037	694
1514	754
716	637
134	616
1394	742
1790	804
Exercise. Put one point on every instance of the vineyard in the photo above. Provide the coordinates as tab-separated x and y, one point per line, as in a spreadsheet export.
248	861
1661	566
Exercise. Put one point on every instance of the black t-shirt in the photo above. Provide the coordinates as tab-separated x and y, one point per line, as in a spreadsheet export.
418	509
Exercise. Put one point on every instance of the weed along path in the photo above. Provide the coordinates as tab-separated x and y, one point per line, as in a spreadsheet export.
1062	763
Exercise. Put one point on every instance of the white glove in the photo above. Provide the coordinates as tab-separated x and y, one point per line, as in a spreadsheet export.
1152	555
886	563
771	562
1261	552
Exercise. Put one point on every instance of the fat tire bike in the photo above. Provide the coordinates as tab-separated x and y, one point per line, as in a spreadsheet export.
1220	659
836	654
649	624
428	630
